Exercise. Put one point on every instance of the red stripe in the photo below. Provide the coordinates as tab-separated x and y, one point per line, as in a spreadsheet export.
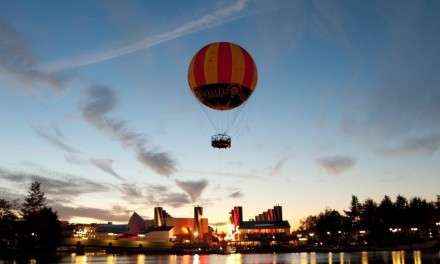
199	67
224	68
248	69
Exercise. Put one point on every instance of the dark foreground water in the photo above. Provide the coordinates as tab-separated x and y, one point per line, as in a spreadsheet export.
391	257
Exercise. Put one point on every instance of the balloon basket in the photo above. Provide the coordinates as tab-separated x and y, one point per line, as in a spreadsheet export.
221	141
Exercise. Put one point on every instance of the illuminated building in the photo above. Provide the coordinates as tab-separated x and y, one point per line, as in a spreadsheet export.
268	223
162	228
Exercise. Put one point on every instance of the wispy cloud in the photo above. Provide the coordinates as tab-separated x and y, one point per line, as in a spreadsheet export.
215	18
153	195
236	194
17	63
278	167
401	107
103	215
107	166
61	187
101	101
53	137
193	188
422	145
336	164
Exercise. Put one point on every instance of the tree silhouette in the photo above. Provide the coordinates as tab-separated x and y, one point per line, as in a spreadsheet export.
35	200
7	224
41	229
384	224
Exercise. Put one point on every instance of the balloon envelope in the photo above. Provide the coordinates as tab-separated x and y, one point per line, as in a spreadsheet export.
222	75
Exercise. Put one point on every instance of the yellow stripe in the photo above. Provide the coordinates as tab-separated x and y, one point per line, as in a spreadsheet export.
191	78
237	64
254	78
211	63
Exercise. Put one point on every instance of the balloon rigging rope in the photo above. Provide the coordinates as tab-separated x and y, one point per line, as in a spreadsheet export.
207	116
240	110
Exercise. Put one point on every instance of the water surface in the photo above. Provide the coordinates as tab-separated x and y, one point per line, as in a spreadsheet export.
382	257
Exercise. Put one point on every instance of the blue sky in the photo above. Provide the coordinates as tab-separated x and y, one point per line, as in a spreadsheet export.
95	104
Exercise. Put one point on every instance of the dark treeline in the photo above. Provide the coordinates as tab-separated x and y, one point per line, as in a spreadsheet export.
30	226
368	223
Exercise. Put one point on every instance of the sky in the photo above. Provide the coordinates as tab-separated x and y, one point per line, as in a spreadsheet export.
95	105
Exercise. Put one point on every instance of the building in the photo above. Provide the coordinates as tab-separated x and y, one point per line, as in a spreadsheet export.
269	223
163	228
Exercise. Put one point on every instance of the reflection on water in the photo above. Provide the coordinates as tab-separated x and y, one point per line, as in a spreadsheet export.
417	255
364	257
383	257
398	257
312	258
80	259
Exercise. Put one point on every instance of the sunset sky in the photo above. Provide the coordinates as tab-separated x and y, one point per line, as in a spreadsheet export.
95	105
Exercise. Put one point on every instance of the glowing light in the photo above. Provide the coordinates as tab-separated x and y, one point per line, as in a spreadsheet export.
362	232
414	229
394	230
303	239
141	235
140	259
437	224
312	234
328	233
196	234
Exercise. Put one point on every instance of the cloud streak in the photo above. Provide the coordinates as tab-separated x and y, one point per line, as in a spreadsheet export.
423	145
61	187
336	164
17	63
69	212
100	101
153	195
278	167
193	188
106	165
236	195
55	139
215	18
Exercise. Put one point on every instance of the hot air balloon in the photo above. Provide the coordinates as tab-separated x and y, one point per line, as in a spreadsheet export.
222	77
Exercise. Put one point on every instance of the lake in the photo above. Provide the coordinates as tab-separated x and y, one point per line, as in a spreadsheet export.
382	257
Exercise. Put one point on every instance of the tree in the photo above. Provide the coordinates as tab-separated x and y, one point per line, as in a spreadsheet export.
34	201
386	211
355	209
41	229
7	224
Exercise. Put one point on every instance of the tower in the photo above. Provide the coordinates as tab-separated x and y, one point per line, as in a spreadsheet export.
160	217
237	215
198	215
278	213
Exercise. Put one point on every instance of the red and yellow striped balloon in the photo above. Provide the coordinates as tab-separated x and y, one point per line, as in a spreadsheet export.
222	75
